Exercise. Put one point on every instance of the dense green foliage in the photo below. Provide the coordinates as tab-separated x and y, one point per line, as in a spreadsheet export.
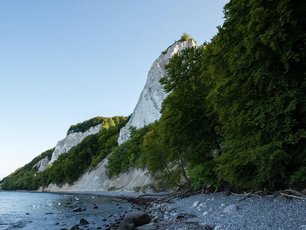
128	154
83	126
24	178
71	165
257	68
185	37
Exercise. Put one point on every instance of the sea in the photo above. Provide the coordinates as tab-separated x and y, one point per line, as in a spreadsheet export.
33	210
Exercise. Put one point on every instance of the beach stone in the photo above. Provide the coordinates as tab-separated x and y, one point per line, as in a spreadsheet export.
75	227
77	209
196	204
150	226
126	226
209	227
137	218
231	208
180	216
83	221
280	198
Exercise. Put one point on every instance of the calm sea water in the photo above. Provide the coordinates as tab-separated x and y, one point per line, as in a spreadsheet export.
22	210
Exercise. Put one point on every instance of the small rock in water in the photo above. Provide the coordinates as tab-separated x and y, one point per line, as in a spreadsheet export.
231	208
95	207
77	209
83	221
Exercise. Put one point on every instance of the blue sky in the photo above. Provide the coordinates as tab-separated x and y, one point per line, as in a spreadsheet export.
62	62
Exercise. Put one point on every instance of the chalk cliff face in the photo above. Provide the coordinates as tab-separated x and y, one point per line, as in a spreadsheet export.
149	104
97	180
42	164
63	146
146	111
71	140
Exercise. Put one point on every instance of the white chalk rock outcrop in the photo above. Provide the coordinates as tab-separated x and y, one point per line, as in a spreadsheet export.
97	180
149	104
71	140
42	164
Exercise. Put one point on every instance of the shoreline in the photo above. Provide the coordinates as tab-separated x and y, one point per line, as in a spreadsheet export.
215	211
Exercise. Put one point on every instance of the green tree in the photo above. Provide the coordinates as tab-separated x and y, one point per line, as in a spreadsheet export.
186	126
256	66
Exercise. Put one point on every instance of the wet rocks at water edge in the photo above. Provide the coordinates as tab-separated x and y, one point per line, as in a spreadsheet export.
83	222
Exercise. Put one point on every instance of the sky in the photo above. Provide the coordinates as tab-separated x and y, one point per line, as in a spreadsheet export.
66	61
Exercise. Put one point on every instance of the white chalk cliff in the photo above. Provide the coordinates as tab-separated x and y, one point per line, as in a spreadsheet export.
63	146
149	104
71	140
42	164
146	111
97	180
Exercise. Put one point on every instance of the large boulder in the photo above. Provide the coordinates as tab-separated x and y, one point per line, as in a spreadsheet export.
137	218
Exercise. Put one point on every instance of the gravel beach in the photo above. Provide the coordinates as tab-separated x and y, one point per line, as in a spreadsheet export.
231	212
165	211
